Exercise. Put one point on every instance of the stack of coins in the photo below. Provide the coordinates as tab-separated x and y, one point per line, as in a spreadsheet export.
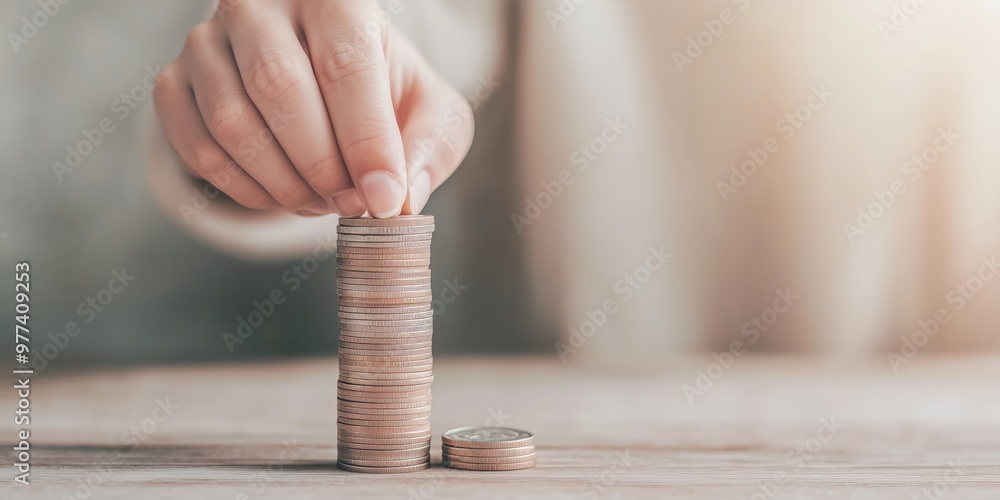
488	449
384	391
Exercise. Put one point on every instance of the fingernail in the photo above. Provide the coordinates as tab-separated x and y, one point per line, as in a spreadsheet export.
383	192
349	203
420	191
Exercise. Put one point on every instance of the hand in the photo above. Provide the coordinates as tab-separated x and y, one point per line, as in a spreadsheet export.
314	106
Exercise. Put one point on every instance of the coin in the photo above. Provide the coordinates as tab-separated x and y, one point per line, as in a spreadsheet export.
487	467
347	263
384	470
385	230
464	459
487	437
383	238
370	376
388	310
384	441
361	454
383	274
399	431
387	317
371	384
371	424
398	221
383	413
487	452
421	387
355	358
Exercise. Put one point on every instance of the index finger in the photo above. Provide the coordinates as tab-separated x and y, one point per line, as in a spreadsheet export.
353	75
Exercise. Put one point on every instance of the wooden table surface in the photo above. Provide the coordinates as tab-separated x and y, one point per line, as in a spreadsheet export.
769	427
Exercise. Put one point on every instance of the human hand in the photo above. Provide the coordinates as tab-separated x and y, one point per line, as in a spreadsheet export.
313	106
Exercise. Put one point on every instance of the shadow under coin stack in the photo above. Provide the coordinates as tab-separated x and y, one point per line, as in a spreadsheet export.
386	324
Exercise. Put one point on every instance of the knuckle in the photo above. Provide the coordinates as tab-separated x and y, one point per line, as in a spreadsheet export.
200	36
327	176
348	59
228	117
275	74
209	160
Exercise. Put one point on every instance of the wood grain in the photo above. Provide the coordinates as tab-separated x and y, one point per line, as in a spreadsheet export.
767	428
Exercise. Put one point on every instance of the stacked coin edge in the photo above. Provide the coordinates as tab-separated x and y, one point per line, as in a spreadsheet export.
515	453
384	386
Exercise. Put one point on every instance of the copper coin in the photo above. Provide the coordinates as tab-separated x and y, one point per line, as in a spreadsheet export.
384	462
411	255
351	441
376	425
380	251
362	454
369	384
386	230
400	431
378	287
373	302
370	376
383	274
375	399
350	405
365	323
348	263
487	467
382	413
384	470
392	345
488	452
487	437
398	221
489	460
425	295
354	358
402	390
387	331
383	238
386	317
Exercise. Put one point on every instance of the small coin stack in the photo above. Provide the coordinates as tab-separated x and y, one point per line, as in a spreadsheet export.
488	449
386	323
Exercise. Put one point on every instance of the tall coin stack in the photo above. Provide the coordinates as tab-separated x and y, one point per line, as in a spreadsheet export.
386	323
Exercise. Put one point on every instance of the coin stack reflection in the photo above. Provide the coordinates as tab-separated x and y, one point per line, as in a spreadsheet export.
386	323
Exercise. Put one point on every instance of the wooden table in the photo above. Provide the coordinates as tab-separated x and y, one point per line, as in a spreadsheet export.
767	428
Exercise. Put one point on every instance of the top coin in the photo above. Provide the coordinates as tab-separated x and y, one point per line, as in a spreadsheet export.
487	437
387	230
400	221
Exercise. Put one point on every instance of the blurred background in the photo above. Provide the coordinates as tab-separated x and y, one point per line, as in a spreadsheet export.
648	177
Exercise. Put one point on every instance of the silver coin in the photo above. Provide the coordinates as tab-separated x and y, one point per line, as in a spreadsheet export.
487	437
